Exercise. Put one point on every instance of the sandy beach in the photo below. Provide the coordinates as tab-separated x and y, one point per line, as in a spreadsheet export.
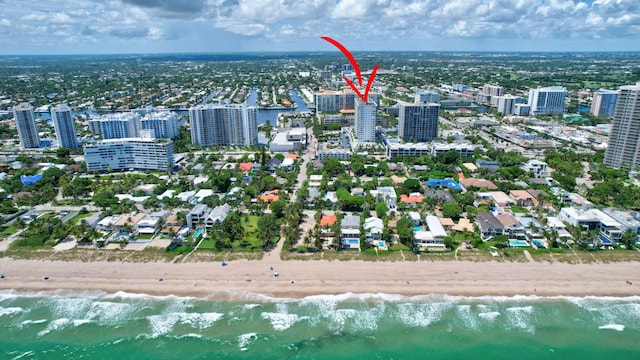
303	278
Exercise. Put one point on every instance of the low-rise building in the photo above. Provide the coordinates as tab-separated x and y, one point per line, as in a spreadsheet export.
197	215
373	227
537	167
129	153
217	215
386	194
489	225
350	232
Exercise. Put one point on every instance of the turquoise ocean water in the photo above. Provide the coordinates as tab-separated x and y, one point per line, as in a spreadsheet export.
74	325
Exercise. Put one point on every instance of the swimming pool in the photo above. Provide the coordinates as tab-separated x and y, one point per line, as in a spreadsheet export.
518	243
354	241
417	228
197	233
381	244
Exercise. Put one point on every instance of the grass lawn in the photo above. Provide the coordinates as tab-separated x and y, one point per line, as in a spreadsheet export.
207	244
6	231
519	210
250	233
79	217
144	236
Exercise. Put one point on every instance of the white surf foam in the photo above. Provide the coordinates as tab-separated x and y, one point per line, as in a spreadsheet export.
520	317
245	340
79	322
422	315
10	311
491	316
165	323
55	325
281	321
106	312
616	327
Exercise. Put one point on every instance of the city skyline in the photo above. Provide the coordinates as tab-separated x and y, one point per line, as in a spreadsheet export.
212	26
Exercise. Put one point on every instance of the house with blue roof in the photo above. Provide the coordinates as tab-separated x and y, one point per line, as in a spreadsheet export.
445	183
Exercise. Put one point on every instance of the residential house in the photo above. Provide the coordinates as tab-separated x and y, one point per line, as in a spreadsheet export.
499	198
218	214
522	198
357	191
386	194
288	164
540	197
373	228
463	225
478	183
245	166
432	238
315	180
350	232
444	183
270	196
273	164
512	227
537	167
412	199
609	230
314	193
443	196
197	215
489	225
256	166
487	164
415	218
447	223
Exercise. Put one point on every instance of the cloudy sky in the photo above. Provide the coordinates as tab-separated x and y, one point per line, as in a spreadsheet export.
154	26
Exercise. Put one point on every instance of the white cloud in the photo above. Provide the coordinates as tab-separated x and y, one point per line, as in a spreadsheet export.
286	21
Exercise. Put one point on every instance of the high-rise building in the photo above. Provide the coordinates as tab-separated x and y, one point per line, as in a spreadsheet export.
131	153
365	121
328	101
418	123
505	105
116	126
604	103
623	150
65	128
164	124
224	125
426	97
547	100
26	124
492	90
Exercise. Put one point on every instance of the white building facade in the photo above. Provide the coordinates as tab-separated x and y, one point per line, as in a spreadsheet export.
365	121
26	125
547	100
164	124
224	125
64	126
132	153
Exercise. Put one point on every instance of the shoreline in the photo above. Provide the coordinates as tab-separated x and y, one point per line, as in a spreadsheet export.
252	278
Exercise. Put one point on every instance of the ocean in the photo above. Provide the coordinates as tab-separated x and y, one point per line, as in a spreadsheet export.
76	325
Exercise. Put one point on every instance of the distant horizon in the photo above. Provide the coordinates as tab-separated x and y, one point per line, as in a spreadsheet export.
91	27
325	52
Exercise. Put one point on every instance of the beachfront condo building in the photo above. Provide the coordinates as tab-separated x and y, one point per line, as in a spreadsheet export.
129	154
547	100
418	123
329	101
26	124
623	151
64	126
365	121
116	126
604	103
224	125
164	124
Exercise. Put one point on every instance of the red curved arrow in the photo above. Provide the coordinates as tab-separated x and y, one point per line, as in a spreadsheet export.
346	53
353	62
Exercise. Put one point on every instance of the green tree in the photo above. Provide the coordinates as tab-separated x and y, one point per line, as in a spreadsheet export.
405	231
232	226
451	210
410	185
629	239
278	207
268	229
381	209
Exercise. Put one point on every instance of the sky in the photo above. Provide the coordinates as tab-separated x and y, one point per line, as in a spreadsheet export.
220	26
